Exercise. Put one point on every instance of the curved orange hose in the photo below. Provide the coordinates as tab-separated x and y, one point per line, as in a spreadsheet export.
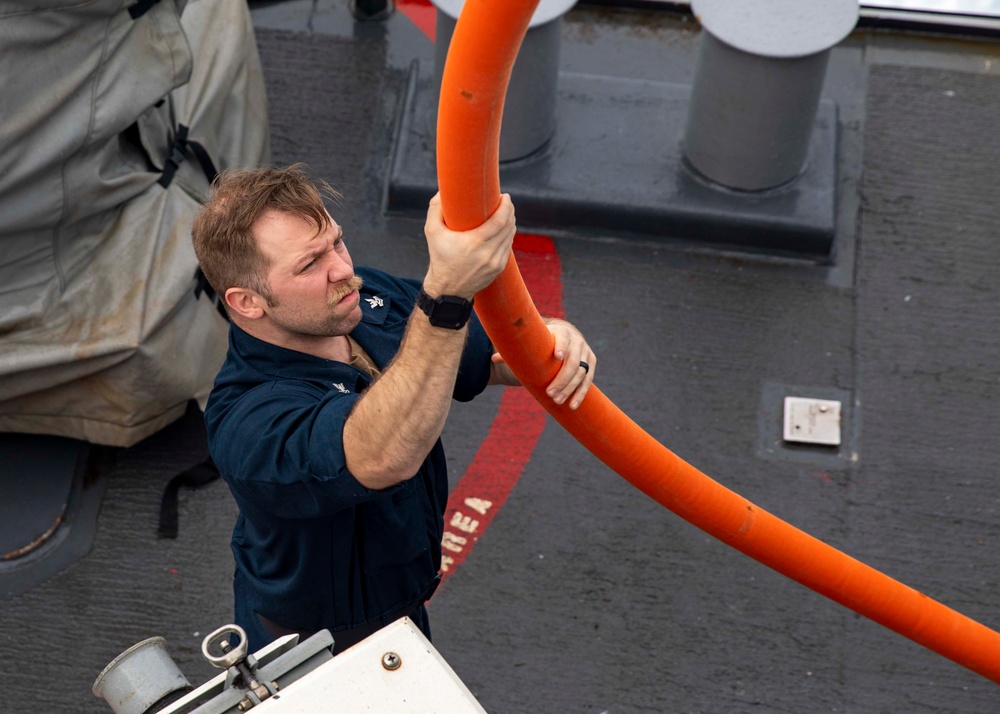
482	52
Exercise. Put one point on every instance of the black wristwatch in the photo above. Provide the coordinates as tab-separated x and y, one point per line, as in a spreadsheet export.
445	310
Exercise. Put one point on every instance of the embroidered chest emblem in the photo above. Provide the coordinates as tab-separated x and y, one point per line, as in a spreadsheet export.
375	301
341	388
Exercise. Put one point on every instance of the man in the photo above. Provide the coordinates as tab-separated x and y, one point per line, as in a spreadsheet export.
326	416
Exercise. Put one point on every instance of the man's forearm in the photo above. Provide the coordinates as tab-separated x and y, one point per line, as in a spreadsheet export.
396	423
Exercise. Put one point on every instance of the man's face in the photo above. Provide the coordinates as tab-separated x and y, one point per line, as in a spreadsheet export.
311	276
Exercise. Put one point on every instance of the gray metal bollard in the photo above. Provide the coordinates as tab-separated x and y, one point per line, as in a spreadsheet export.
529	115
757	86
142	677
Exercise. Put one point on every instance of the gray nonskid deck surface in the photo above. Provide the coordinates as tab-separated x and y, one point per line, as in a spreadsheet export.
57	638
925	505
323	96
584	595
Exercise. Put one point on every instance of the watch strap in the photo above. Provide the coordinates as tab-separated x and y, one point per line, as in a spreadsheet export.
448	311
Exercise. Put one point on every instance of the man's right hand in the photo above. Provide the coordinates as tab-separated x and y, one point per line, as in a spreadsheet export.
464	262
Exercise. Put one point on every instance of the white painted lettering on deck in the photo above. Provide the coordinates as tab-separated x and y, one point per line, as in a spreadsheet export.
464	523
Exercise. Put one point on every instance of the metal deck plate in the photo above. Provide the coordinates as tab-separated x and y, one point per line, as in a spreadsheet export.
812	421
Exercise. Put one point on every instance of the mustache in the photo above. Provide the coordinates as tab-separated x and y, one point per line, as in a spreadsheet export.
347	287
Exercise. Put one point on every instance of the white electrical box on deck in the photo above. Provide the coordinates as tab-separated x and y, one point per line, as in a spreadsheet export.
396	670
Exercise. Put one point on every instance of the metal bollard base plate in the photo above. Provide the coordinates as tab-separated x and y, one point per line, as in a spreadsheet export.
615	164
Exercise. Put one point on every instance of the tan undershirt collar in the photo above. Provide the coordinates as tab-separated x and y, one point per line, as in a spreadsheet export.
361	360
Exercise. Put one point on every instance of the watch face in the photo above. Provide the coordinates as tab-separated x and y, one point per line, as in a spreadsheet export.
450	313
446	310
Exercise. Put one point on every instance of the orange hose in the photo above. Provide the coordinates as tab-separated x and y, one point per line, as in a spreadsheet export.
485	43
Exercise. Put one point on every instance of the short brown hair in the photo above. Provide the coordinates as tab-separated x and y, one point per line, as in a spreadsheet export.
222	233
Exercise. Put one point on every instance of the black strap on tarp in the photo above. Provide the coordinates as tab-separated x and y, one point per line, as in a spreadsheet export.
178	152
199	475
207	165
141	8
202	286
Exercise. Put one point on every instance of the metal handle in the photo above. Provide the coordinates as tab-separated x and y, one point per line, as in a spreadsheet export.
231	656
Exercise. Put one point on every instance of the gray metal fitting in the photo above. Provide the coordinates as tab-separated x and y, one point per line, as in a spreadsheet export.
529	114
757	86
140	677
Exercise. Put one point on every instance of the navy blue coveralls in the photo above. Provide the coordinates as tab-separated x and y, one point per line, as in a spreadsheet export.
314	548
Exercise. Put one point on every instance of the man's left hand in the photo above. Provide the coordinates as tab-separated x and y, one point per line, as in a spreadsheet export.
573	379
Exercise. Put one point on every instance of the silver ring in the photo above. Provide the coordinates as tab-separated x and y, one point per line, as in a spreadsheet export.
586	367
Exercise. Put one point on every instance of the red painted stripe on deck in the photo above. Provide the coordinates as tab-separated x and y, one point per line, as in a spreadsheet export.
422	14
520	420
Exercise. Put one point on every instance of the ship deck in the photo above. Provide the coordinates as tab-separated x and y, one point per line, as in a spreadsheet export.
583	594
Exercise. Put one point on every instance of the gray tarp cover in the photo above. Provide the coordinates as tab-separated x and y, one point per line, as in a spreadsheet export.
101	336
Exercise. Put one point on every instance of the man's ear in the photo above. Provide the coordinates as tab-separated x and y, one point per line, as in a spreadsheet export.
245	303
